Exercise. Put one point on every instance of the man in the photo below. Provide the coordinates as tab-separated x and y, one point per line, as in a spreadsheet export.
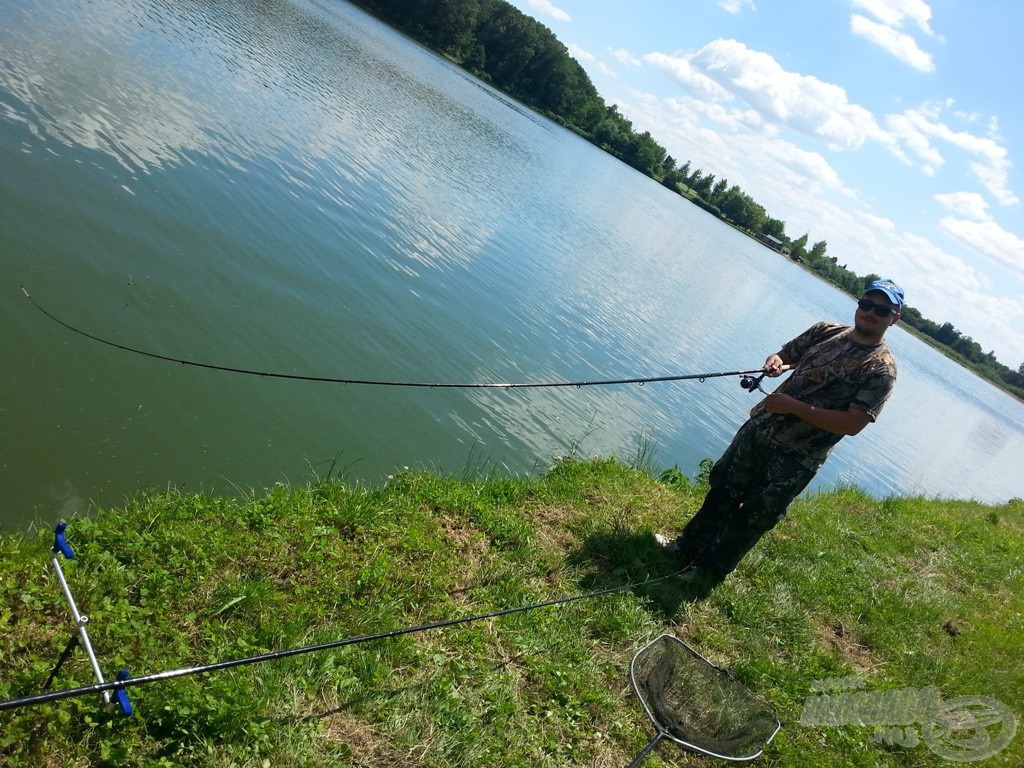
841	378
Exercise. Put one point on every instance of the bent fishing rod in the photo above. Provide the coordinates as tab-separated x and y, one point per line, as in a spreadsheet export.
751	377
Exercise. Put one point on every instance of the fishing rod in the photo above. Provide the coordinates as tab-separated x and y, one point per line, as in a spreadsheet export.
749	382
124	681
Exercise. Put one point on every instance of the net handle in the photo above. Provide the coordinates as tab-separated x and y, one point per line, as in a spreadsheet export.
647	750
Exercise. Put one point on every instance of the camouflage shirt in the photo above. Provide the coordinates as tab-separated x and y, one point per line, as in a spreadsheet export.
831	371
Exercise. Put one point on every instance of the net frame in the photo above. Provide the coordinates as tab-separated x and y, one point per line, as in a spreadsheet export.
748	725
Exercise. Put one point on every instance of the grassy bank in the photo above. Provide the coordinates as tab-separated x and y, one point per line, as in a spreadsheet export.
903	593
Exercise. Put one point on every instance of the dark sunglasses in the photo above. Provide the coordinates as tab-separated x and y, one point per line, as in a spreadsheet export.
882	310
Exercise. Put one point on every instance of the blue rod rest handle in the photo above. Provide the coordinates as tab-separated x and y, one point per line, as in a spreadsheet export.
122	695
60	544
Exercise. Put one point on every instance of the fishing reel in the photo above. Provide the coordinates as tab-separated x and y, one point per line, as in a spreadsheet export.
752	383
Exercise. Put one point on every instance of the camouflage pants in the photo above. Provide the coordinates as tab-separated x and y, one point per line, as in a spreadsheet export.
752	485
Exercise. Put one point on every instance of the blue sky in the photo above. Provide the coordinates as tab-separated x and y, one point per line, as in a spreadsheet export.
892	129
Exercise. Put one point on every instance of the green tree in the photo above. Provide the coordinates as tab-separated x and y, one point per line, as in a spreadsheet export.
703	185
644	153
674	181
798	248
734	206
739	208
775	228
719	190
947	334
606	134
510	39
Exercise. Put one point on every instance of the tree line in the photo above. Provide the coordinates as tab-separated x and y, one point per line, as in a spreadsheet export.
517	54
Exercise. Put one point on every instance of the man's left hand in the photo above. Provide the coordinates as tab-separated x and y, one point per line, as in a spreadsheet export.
778	402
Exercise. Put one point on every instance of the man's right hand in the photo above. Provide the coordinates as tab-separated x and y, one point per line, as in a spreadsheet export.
774	365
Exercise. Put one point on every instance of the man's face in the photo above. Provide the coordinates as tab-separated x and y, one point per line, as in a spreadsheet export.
875	313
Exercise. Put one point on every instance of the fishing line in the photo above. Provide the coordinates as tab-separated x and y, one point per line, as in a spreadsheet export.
126	682
641	380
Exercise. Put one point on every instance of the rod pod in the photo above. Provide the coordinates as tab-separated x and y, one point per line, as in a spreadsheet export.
61	547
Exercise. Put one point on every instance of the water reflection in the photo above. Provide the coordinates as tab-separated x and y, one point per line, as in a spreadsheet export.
988	438
57	61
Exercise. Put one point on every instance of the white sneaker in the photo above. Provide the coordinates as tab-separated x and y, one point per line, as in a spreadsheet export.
669	544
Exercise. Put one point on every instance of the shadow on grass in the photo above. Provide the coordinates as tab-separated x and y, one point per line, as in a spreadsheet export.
636	559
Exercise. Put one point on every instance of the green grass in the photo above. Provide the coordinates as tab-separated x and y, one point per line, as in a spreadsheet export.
901	593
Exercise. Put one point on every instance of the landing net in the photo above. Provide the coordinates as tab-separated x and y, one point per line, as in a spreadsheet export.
697	705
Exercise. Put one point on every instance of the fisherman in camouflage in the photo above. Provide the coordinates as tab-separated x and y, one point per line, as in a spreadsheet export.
841	378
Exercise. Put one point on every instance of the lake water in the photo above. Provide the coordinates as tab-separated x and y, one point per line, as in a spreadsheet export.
294	187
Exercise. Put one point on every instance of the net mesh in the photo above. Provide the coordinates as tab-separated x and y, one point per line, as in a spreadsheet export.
699	705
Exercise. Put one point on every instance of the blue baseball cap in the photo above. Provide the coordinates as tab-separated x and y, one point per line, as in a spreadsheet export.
892	291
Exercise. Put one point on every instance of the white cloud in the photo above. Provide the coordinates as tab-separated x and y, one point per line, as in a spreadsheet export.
880	222
994	176
886	29
679	122
892	13
899	44
968	204
726	69
623	56
736	6
789	180
816	173
989	239
679	68
731	119
907	130
917	128
548	8
586	57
